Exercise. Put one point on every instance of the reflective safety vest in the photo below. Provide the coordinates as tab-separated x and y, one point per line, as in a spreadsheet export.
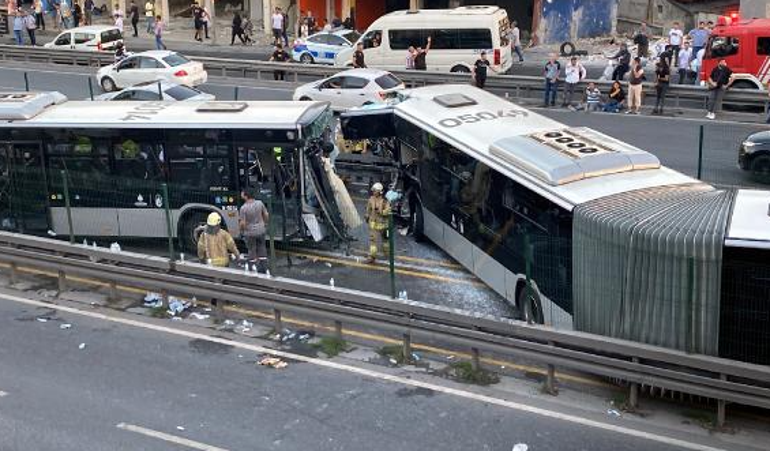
377	212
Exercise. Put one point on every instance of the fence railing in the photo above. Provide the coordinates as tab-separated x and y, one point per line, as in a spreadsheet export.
719	379
516	86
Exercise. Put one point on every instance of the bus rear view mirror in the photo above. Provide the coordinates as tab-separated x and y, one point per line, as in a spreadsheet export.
368	123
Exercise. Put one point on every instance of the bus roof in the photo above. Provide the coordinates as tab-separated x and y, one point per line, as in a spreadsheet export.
35	111
567	165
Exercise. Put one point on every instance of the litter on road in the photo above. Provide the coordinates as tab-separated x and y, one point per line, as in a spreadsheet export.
153	300
42	319
177	306
180	428
82	346
200	316
613	413
65	326
272	362
520	447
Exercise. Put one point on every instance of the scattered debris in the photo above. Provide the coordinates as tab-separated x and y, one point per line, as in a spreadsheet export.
520	447
42	319
450	357
328	265
393	361
416	357
272	362
65	326
246	323
115	248
404	231
613	412
51	233
180	428
177	306
331	282
200	316
153	300
82	346
403	296
229	322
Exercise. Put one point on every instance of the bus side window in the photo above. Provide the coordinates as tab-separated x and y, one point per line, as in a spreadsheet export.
138	160
763	46
723	46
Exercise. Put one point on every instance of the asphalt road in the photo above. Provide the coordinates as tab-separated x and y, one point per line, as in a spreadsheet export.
133	388
674	139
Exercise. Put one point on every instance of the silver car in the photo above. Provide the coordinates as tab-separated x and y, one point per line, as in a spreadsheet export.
152	90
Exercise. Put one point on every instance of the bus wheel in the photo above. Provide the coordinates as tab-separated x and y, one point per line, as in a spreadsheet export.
760	168
460	69
189	230
305	99
108	84
417	221
306	58
530	309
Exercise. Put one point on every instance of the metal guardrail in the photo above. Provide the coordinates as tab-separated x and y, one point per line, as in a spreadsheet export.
711	377
516	86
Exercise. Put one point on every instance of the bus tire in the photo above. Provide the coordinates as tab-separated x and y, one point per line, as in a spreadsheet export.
417	221
760	168
306	58
189	224
108	84
530	308
305	99
460	69
744	84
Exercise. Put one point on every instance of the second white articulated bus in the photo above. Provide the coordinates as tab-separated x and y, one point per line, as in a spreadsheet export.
620	244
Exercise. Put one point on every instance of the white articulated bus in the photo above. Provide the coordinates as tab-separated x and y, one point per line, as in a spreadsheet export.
620	245
117	155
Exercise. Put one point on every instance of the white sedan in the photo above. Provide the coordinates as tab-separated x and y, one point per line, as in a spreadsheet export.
352	88
153	65
157	90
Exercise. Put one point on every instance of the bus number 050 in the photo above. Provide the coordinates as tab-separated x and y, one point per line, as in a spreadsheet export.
452	122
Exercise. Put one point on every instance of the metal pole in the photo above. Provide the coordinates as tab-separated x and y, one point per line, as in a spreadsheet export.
721	407
633	393
91	88
271	263
26	81
338	329
160	91
235	93
68	204
392	256
169	228
550	381
278	323
476	358
407	348
700	151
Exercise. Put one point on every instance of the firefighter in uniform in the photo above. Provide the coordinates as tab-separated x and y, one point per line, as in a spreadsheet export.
377	216
215	244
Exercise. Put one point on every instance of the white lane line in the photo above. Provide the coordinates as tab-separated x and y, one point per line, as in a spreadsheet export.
376	375
168	437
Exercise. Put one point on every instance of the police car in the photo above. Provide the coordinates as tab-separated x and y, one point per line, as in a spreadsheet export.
322	47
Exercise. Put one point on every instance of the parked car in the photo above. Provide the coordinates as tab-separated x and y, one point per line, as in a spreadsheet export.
754	156
153	65
323	47
352	88
157	90
94	38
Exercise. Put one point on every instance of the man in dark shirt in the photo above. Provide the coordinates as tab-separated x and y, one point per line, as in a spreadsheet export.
358	57
719	81
642	41
281	56
480	70
133	13
624	60
197	13
419	56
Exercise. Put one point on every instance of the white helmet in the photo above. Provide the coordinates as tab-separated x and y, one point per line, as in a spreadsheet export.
377	187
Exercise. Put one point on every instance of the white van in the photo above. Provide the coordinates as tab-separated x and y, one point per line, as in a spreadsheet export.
458	36
93	38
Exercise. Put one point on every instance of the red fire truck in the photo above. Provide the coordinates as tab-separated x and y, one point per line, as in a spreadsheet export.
745	45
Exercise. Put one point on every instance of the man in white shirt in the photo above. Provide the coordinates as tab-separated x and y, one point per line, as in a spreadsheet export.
675	38
574	72
683	62
276	21
514	36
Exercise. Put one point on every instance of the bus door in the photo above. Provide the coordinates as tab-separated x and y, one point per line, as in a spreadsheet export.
23	193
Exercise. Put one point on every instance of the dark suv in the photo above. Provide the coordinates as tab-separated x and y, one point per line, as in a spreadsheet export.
754	156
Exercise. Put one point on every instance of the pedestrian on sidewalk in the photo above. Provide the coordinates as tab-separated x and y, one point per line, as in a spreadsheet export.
662	79
480	69
683	64
421	55
197	13
133	13
675	38
359	61
237	29
280	55
574	72
253	219
248	30
18	26
699	37
285	28
635	87
719	81
88	11
158	31
593	98
276	22
616	98
77	14
39	15
514	36
30	24
118	15
377	217
215	245
642	41
206	18
551	74
149	14
624	58
310	22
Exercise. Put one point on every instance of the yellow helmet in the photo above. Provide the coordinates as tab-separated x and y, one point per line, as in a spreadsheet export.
214	219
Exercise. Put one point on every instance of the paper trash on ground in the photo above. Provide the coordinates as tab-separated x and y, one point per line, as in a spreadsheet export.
273	362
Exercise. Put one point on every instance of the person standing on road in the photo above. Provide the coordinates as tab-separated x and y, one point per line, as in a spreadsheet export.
551	74
39	15
276	22
699	37
683	63
237	29
216	245
30	24
514	36
253	219
310	22
635	87
480	69
18	26
719	81
377	216
420	56
158	30
206	20
285	28
624	58
675	38
88	11
662	79
642	41
573	73
133	13
149	14
118	15
359	61
280	56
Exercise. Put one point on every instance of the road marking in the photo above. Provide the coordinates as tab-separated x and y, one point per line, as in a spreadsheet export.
373	374
168	437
